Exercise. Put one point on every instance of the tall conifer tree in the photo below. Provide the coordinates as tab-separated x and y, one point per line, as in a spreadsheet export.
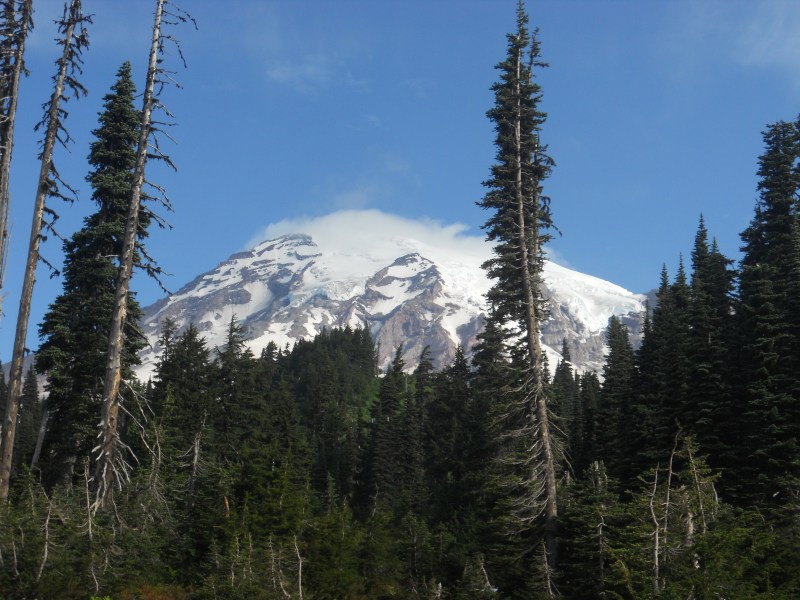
616	435
770	379
711	416
75	329
519	217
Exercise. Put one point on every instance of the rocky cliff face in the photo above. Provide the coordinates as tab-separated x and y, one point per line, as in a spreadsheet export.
289	288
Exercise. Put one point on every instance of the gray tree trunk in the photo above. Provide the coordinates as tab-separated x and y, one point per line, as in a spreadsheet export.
43	187
40	439
110	468
13	68
528	248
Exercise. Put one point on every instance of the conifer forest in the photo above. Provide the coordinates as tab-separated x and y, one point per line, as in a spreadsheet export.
307	472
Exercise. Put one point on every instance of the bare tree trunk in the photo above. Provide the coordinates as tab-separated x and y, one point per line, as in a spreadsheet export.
195	450
11	90
696	480
40	439
667	499
43	189
656	536
107	465
46	550
600	486
299	569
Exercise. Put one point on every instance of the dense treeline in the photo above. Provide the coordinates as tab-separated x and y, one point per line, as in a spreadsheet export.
304	472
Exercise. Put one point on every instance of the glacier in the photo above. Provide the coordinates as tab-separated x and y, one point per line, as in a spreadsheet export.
409	290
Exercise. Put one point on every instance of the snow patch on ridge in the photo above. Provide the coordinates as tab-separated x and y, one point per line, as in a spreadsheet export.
423	287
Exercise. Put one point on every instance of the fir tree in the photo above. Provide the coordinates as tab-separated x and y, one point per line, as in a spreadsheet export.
517	226
589	399
567	405
451	440
30	416
388	460
770	380
75	329
709	413
618	441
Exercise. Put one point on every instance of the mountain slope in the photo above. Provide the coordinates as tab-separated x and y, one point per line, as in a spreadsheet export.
411	292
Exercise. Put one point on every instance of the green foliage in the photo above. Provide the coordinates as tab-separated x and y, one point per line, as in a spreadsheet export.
617	430
30	417
769	377
75	329
301	472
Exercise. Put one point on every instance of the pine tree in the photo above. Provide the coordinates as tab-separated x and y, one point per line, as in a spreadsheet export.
414	431
709	413
388	461
619	434
669	362
770	380
590	516
589	398
520	216
30	416
567	405
75	329
110	465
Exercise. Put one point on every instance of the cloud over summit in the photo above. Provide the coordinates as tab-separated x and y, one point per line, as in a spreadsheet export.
382	237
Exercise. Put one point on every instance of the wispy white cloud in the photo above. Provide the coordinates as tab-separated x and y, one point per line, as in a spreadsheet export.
771	37
358	197
383	236
298	54
749	34
309	72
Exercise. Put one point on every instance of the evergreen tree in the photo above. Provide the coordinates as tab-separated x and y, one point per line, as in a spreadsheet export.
109	462
589	399
567	405
667	369
415	426
30	416
387	420
709	412
449	439
618	435
591	512
75	329
770	381
517	226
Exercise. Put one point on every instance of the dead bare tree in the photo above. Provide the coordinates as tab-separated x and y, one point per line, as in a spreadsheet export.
75	40
16	22
111	467
656	535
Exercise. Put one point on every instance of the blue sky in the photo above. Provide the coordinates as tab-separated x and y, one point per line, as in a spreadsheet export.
296	109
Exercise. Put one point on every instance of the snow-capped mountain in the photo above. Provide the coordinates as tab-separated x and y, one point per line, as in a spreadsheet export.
410	291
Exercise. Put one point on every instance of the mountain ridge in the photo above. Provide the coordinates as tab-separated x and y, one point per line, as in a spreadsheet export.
289	287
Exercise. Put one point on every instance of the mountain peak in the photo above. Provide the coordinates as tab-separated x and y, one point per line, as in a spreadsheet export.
288	288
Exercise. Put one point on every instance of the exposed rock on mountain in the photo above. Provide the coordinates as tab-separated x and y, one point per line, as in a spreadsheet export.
289	288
